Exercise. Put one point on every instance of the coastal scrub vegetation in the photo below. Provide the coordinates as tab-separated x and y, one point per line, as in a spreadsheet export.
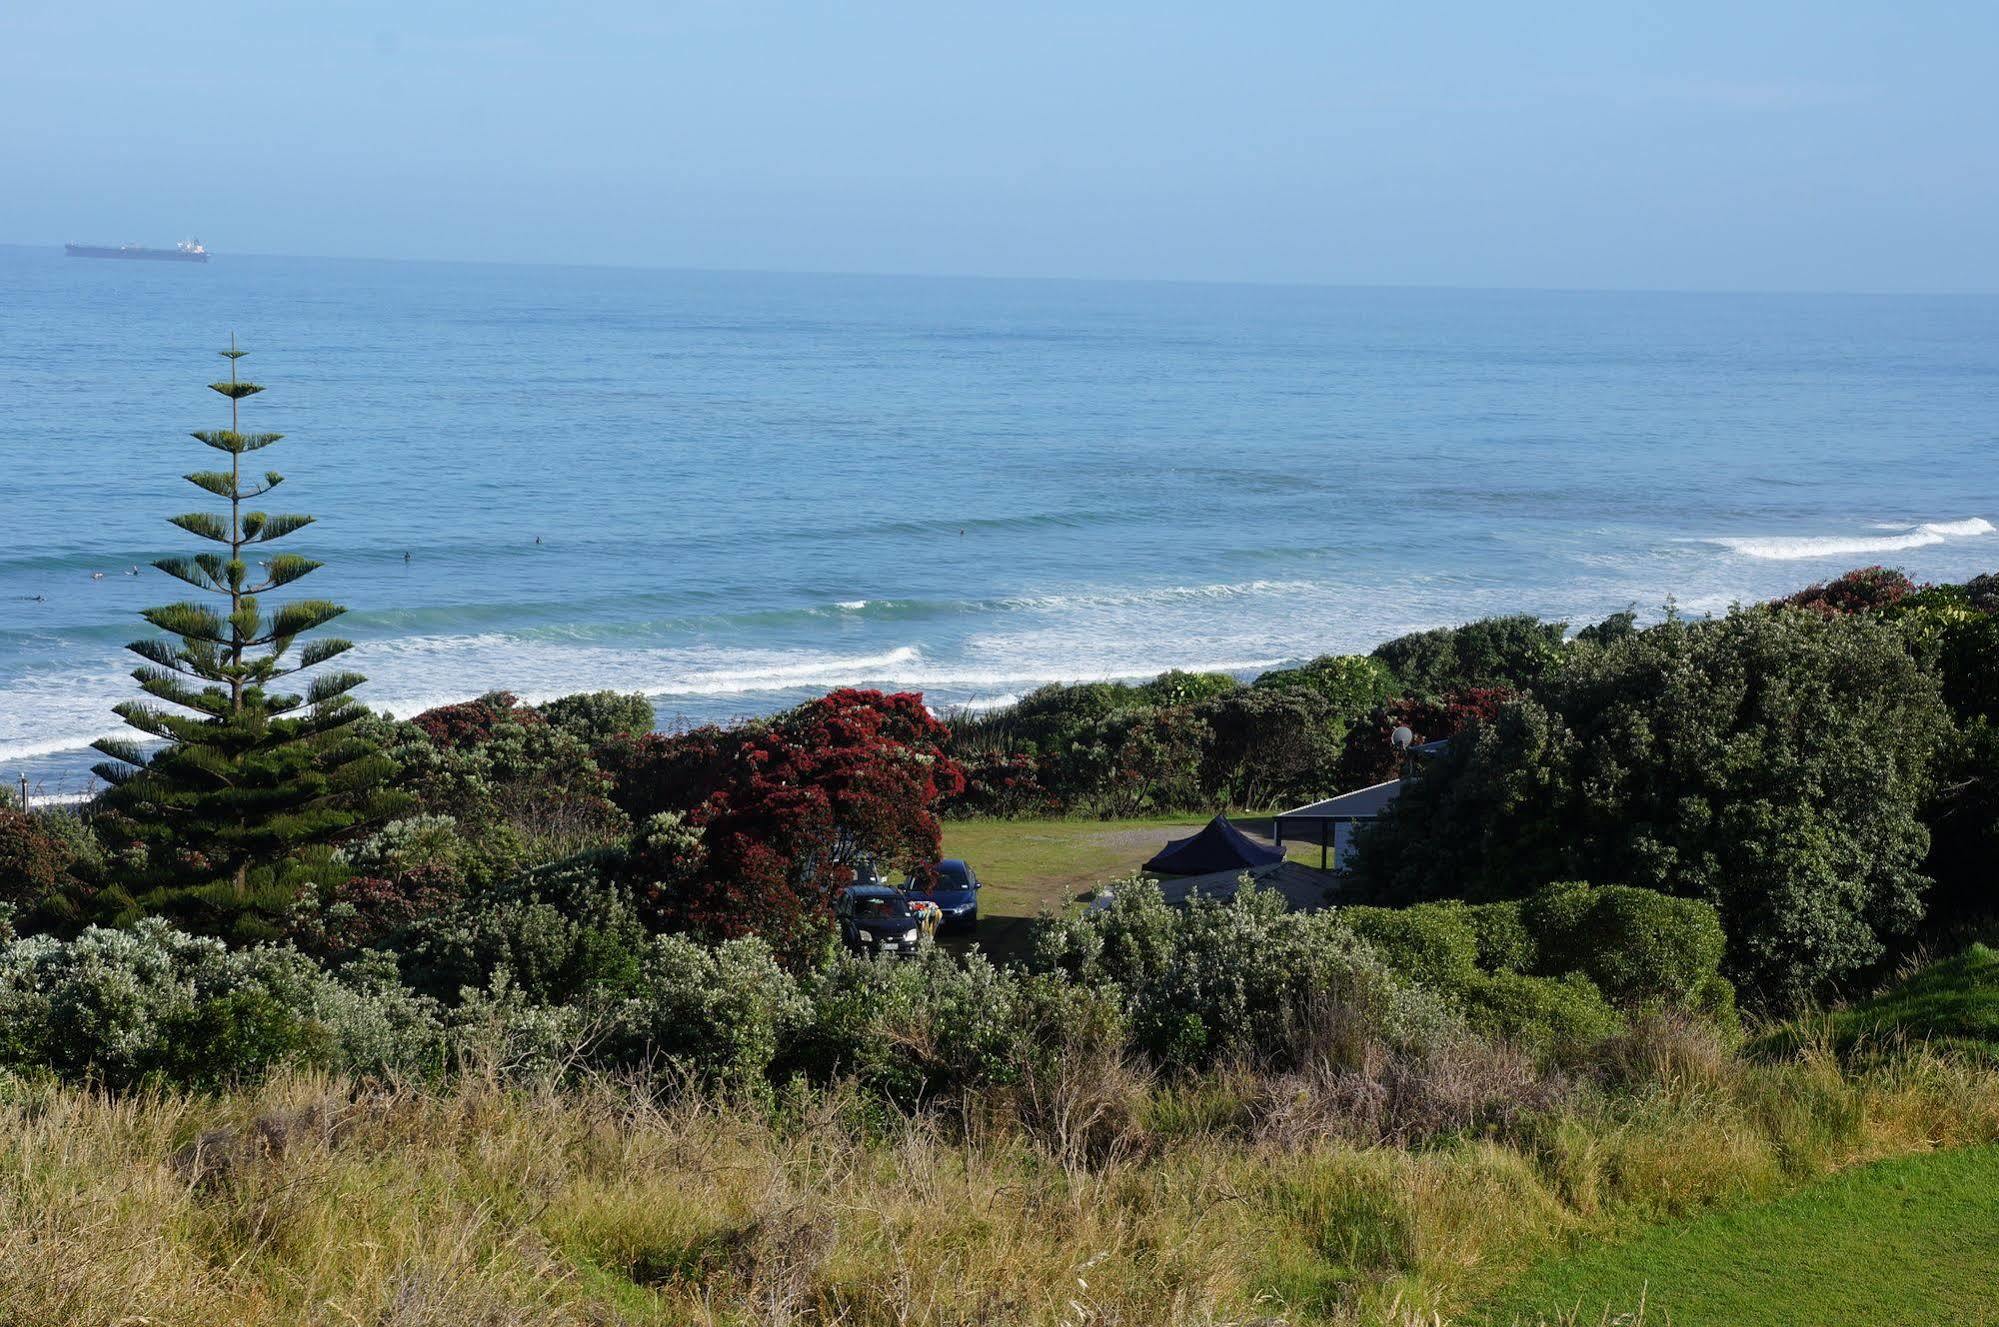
528	1013
1775	765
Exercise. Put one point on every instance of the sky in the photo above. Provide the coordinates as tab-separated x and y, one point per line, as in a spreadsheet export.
1693	144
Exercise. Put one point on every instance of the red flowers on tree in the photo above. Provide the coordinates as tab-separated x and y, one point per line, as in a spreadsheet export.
1866	590
474	722
790	807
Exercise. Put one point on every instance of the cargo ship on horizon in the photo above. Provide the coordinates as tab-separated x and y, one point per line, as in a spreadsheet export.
187	251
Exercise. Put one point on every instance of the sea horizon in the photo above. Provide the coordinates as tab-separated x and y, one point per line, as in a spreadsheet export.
695	269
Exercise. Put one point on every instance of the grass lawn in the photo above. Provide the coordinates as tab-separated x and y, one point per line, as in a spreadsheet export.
1908	1241
1027	866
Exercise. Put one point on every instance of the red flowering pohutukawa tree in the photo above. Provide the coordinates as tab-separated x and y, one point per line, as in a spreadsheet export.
780	814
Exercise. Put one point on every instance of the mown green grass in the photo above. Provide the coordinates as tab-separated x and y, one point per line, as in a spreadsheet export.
1031	866
1914	1240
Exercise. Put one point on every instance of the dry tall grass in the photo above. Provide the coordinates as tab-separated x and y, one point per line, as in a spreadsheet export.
1396	1194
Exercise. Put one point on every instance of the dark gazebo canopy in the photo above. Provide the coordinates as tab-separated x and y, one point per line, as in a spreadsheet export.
1219	846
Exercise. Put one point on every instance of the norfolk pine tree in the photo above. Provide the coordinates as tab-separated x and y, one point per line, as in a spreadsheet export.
253	776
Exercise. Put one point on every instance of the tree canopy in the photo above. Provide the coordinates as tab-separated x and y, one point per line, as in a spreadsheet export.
1773	763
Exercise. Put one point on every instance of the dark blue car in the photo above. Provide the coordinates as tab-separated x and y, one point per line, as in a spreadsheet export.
954	888
875	919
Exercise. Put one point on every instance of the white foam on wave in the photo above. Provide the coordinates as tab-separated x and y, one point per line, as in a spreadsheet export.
1792	548
1152	595
408	676
53	712
986	704
30	748
775	671
405	677
997	649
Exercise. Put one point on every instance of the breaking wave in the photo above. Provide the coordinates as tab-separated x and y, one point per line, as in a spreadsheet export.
1890	539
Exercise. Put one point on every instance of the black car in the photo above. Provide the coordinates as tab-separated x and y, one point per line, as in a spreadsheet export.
876	919
954	888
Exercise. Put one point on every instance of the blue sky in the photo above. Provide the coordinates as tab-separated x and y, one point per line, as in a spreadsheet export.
1833	145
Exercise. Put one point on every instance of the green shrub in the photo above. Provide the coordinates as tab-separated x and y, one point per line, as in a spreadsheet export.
1504	942
1433	944
718	1013
1550	973
1486	961
1350	684
1241	980
1637	945
522	790
118	1006
597	718
913	1030
1634	946
1553	1018
1495	651
1269	745
424	843
498	1030
1183	688
557	934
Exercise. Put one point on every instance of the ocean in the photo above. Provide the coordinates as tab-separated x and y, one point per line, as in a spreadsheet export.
732	491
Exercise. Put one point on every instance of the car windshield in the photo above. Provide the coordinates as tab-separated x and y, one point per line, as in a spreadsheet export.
949	877
876	905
